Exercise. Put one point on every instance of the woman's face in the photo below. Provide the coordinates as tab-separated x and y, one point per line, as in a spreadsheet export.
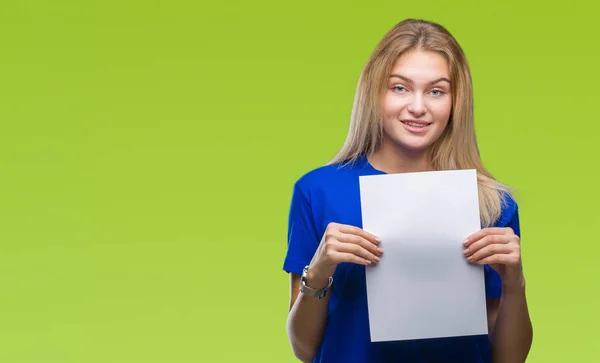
417	102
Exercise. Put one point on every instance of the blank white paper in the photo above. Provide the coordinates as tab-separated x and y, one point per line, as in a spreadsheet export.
423	287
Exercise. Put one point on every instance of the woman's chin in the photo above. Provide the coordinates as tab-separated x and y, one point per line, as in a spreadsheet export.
413	145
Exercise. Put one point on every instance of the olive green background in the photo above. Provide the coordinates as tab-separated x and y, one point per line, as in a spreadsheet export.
148	151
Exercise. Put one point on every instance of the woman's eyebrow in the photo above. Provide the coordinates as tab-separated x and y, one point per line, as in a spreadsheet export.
411	81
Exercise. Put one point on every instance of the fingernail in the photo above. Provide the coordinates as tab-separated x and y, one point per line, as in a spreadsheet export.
377	259
470	258
377	239
368	262
380	251
465	242
466	252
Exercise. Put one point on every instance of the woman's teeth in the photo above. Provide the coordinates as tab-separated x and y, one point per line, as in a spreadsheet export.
414	124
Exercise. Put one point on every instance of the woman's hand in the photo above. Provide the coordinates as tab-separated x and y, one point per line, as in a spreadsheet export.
342	243
500	248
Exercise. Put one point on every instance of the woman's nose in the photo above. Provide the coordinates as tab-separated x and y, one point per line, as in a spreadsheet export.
417	107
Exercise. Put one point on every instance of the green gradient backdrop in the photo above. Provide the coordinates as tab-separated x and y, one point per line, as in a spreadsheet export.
148	151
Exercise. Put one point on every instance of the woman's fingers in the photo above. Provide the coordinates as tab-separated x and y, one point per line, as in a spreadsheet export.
486	241
341	241
349	257
490	250
500	259
357	250
487	232
346	229
361	241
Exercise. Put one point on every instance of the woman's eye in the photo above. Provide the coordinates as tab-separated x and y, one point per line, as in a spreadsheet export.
399	88
437	92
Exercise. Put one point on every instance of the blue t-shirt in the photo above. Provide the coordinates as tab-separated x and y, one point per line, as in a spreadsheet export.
331	194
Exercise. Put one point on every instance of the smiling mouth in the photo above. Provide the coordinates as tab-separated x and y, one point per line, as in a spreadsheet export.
418	124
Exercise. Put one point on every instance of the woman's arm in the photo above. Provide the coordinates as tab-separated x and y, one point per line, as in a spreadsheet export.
308	315
512	334
307	318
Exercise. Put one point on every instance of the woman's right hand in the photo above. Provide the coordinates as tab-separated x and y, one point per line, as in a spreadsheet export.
342	243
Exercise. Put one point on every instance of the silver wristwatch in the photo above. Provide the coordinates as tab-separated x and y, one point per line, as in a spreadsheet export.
312	292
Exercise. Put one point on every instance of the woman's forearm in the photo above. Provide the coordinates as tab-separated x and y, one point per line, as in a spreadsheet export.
306	321
513	333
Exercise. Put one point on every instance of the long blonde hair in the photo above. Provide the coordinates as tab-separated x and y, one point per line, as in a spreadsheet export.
456	149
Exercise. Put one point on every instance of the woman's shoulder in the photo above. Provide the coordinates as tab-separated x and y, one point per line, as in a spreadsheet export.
328	175
509	204
509	216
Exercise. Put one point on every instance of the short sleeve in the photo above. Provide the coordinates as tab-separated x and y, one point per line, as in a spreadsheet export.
302	237
514	222
510	218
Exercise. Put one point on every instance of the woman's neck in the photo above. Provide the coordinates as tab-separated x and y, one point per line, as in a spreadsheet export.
392	159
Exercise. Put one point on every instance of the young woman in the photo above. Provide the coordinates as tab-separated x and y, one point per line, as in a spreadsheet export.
413	111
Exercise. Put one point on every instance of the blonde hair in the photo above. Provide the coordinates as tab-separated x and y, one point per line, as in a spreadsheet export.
456	148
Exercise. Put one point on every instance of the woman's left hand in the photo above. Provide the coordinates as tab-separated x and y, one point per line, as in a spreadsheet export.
500	248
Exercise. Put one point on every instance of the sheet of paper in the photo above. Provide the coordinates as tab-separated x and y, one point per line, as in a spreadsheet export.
423	287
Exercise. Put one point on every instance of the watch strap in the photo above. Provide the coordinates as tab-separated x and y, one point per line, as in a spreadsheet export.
310	291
